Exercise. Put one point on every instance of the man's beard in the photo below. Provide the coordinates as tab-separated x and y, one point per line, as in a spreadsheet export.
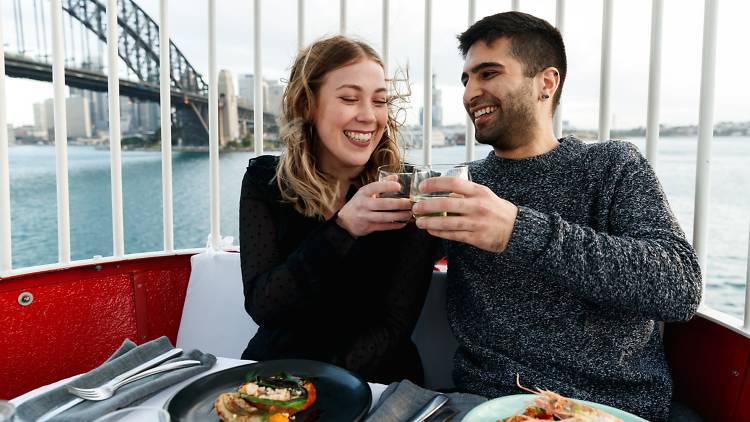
512	125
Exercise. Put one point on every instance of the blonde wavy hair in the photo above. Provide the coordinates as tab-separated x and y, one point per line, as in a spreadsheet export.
302	183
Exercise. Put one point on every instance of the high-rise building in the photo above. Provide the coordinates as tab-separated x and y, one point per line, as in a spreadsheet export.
49	115
78	117
273	92
230	119
11	135
40	117
128	118
273	99
98	107
148	115
246	90
437	106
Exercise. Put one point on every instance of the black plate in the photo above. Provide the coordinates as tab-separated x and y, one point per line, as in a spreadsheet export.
342	396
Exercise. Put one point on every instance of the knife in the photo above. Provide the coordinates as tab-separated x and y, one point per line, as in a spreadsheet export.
140	368
429	409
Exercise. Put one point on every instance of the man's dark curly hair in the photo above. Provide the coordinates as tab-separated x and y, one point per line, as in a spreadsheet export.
534	42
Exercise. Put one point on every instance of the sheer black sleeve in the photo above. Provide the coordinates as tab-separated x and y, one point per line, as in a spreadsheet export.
276	287
411	276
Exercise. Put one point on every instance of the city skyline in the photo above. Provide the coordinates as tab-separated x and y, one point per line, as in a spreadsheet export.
682	39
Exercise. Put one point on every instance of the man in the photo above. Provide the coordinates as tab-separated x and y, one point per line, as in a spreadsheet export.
565	254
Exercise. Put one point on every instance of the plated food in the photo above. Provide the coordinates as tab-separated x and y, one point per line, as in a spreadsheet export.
549	406
275	398
543	405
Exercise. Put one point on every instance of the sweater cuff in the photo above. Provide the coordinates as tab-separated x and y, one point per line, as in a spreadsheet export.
530	237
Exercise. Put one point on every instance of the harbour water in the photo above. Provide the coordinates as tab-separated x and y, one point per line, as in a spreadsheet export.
34	213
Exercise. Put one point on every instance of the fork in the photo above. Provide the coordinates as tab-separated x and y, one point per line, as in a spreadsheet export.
146	365
107	390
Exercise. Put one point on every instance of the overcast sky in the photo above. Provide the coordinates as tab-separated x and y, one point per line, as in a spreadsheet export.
681	72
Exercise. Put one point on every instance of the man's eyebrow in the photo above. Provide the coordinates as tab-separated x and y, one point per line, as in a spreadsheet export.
359	88
485	65
480	67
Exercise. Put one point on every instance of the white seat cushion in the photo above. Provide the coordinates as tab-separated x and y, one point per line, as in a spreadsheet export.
213	317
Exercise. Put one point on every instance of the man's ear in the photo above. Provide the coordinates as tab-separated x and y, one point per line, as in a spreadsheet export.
549	81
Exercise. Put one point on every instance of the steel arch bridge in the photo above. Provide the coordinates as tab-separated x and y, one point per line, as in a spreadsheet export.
138	48
138	43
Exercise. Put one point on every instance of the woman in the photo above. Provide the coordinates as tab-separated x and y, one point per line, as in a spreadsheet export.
329	274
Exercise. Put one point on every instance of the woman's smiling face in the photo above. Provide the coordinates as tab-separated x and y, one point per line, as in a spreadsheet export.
351	116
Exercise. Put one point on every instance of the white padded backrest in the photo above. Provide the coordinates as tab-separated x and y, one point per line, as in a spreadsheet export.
213	317
434	338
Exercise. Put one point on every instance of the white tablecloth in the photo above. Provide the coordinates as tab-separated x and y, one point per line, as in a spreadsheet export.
159	399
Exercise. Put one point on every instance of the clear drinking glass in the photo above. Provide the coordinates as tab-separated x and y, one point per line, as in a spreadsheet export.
138	413
7	410
400	173
422	173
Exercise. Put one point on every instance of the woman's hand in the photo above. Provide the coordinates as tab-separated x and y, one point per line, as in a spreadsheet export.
366	212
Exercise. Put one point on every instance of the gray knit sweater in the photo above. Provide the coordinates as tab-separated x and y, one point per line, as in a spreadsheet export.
595	259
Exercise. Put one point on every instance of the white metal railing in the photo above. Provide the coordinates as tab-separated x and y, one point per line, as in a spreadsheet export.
115	150
300	24
5	236
213	124
746	324
342	17
654	82
165	87
469	135
705	134
60	130
605	71
427	104
386	36
560	24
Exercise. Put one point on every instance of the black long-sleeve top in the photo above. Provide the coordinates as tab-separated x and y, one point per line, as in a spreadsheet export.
318	293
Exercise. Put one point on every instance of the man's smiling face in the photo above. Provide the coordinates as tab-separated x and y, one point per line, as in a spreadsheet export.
498	96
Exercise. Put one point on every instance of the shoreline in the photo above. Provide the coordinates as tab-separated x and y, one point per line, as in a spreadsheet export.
205	149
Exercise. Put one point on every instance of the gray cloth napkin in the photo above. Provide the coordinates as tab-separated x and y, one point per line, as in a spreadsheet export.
128	356
401	400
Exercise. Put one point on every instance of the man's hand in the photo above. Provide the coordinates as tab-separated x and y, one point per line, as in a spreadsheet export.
366	212
479	218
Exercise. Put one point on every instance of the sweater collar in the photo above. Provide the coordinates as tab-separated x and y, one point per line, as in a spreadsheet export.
561	153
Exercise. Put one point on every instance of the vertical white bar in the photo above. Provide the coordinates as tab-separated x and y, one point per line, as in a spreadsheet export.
258	90
213	126
747	291
560	24
515	5
5	243
469	135
61	132
115	152
300	24
342	17
427	109
654	82
386	35
165	88
705	135
605	71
